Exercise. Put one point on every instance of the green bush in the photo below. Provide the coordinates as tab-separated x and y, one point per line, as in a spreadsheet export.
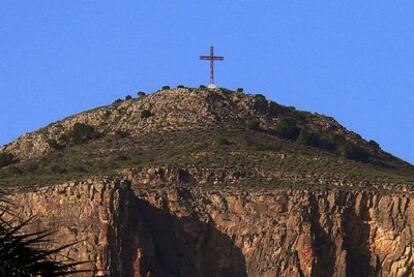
353	152
80	133
140	94
55	145
6	159
117	101
221	142
253	125
146	114
292	108
180	86
165	88
128	97
286	128
239	90
308	138
374	144
202	86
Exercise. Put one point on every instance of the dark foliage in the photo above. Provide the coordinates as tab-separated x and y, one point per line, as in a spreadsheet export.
180	86
202	86
221	141
140	94
6	159
146	114
55	145
253	125
286	128
117	101
80	133
240	90
165	88
121	134
128	97
308	138
374	144
353	152
21	253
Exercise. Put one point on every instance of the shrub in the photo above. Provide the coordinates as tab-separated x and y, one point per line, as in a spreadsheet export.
253	125
286	128
292	108
165	88
180	86
117	101
6	159
202	86
273	109
146	114
354	152
221	141
374	144
55	145
140	94
80	133
128	97
240	90
308	138
121	134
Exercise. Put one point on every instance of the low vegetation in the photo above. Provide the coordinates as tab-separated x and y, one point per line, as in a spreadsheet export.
6	159
80	133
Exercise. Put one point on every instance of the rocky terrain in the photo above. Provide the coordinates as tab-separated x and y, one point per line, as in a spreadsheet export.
197	182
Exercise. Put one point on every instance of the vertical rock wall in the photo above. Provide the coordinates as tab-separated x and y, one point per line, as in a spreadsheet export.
178	231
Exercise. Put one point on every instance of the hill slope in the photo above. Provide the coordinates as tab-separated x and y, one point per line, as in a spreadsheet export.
202	129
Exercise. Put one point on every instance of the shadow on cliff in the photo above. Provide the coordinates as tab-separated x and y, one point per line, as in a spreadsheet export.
356	241
161	244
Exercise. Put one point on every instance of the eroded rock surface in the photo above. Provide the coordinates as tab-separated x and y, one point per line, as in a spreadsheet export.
131	230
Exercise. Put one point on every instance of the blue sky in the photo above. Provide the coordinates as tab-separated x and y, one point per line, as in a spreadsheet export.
353	60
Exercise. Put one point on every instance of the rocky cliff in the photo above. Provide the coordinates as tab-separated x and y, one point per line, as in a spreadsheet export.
214	183
128	229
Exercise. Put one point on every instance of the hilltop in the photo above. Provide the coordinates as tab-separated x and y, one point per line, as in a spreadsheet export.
219	131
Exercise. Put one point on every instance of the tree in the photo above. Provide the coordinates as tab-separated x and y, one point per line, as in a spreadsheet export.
128	97
165	88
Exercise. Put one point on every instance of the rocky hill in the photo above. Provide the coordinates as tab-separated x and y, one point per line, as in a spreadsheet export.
198	182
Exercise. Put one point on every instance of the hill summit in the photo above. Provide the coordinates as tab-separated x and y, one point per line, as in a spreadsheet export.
206	129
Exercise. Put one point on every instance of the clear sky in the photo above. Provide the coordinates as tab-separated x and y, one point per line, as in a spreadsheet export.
353	60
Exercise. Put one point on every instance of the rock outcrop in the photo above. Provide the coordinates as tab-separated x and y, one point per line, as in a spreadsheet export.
142	230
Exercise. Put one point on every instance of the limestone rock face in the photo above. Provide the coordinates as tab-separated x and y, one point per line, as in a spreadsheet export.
130	230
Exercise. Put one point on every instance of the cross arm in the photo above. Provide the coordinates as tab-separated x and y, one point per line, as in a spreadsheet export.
214	58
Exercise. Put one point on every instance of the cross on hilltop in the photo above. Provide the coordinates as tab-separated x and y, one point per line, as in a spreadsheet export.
212	58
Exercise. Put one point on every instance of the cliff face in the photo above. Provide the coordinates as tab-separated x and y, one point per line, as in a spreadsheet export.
131	230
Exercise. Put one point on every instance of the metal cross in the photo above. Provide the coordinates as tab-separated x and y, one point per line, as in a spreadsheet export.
212	58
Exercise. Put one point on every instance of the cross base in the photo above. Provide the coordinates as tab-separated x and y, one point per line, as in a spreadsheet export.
211	86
